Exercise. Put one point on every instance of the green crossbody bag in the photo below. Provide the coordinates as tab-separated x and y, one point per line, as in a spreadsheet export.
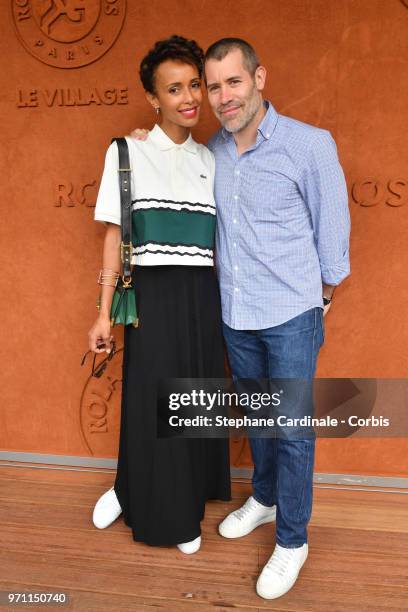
123	309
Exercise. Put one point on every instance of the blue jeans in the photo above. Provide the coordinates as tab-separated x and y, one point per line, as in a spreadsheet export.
283	469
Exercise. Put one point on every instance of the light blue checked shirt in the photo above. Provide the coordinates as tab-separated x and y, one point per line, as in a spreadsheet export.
283	221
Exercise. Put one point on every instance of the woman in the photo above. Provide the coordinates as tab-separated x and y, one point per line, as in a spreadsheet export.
162	484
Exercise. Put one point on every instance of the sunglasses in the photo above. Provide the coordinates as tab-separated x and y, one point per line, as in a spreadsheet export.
101	367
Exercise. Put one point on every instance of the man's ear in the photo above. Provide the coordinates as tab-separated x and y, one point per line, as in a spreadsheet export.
151	98
260	77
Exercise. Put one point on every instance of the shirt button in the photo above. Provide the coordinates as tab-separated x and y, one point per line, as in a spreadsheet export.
234	220
235	267
268	135
235	244
237	172
236	288
236	197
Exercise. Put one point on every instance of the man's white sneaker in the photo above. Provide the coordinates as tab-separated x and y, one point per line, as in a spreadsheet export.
190	547
245	519
281	572
107	509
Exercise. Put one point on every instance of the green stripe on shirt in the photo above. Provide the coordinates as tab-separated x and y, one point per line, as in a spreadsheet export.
173	227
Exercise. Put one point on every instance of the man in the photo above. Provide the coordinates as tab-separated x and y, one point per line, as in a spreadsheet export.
282	246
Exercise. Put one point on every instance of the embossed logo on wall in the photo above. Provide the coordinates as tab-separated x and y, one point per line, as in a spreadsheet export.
68	33
100	409
70	194
370	191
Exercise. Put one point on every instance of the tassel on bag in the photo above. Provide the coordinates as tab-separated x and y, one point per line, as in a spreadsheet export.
123	309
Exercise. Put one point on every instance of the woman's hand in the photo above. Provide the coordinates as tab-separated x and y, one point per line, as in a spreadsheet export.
139	134
100	334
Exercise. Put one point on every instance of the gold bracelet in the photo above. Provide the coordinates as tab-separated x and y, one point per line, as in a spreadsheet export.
104	275
107	281
109	270
104	272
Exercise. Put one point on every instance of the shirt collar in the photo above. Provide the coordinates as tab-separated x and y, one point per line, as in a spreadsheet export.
267	125
165	143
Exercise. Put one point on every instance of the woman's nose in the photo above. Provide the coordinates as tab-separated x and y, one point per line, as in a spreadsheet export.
188	96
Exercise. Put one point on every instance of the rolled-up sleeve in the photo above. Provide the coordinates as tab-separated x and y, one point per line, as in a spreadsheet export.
325	192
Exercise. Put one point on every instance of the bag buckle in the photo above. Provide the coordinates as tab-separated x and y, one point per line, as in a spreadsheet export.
126	282
126	252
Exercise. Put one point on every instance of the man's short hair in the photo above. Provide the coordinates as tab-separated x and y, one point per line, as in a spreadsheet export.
222	47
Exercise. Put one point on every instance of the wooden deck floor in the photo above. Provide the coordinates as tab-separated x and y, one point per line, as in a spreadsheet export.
358	552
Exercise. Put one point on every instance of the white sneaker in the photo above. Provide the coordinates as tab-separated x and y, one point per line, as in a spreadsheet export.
190	547
107	509
281	572
245	519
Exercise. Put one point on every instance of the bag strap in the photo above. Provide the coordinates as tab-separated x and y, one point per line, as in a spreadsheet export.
124	170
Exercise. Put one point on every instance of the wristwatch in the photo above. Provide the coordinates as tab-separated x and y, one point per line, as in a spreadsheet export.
326	301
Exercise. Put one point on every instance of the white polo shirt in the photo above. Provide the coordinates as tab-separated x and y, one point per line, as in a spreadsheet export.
173	206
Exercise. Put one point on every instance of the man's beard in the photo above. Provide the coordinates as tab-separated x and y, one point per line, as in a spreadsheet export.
252	106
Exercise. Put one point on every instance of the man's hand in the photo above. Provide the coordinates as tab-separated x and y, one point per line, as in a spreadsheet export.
139	134
328	291
326	309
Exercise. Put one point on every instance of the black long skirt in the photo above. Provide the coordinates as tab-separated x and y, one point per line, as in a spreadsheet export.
162	484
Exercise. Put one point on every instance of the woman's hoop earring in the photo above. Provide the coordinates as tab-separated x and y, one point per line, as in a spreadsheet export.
157	109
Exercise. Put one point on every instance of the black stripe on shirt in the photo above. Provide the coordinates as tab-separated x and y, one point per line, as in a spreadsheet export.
185	210
173	202
175	244
183	253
